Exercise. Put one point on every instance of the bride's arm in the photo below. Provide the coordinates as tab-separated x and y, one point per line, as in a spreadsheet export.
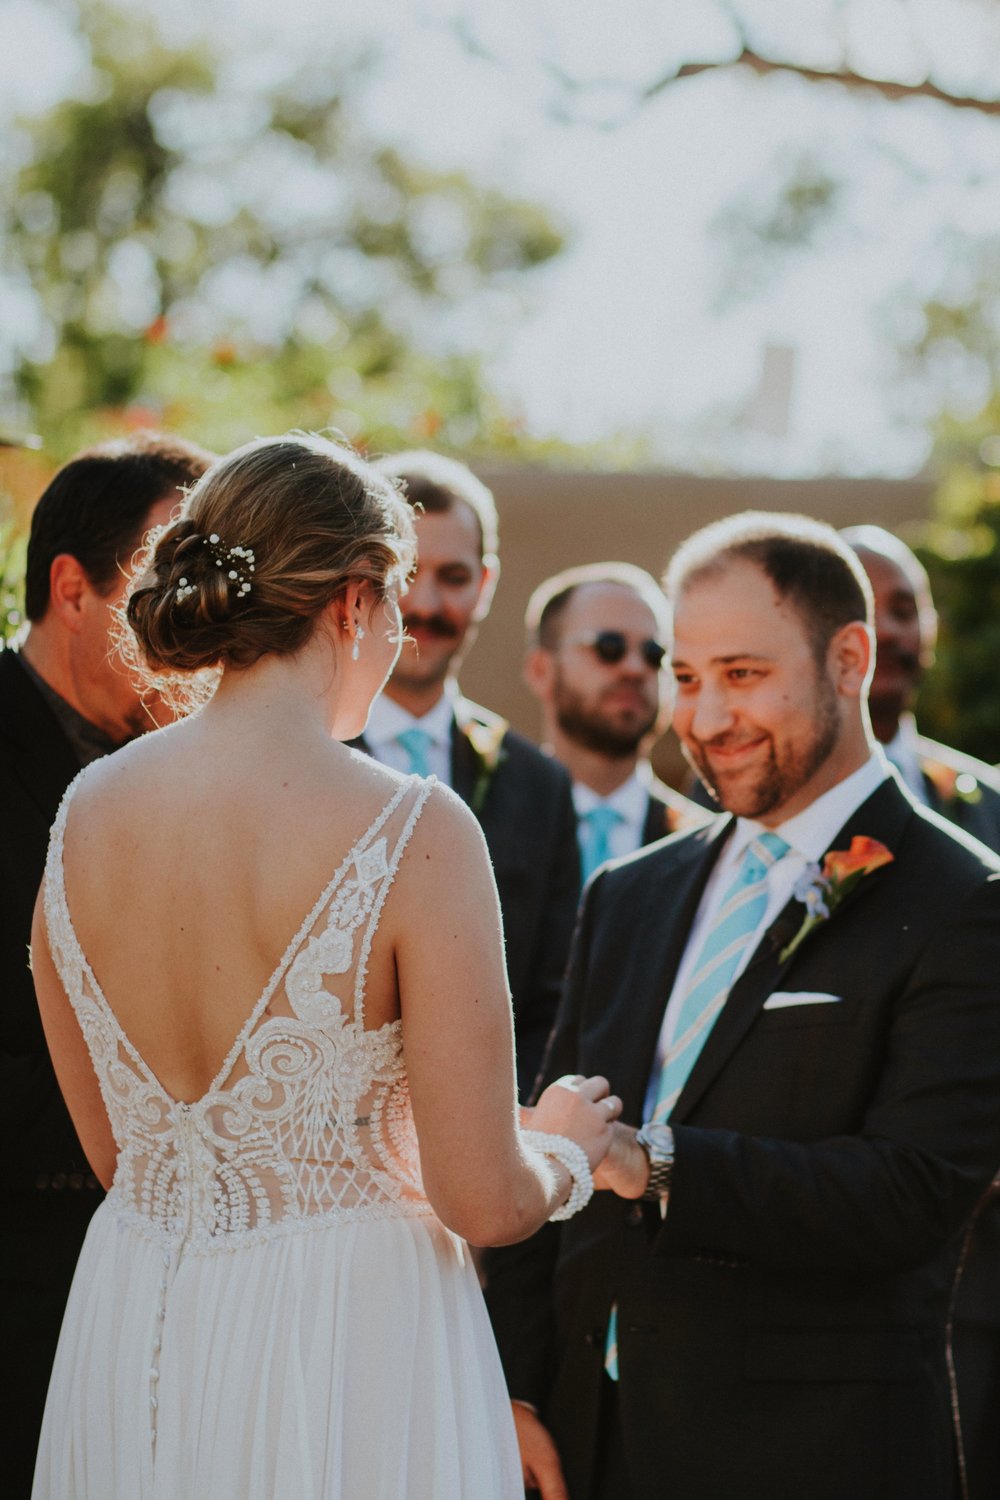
481	1177
70	1058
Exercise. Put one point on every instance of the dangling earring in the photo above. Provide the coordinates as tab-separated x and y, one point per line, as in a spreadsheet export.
359	636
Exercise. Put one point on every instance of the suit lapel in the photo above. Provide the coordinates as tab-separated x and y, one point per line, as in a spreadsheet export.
656	823
464	764
883	816
665	913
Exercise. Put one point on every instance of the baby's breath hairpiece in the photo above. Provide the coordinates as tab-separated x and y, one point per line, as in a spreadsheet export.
238	561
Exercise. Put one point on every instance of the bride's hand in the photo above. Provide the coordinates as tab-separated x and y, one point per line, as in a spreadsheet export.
583	1109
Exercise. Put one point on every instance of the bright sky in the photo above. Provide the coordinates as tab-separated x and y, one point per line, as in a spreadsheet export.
624	330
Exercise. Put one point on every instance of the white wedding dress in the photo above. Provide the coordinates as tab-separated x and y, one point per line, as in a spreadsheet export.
266	1307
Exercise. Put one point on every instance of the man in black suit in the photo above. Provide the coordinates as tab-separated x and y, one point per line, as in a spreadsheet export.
800	1003
595	651
966	791
422	723
64	701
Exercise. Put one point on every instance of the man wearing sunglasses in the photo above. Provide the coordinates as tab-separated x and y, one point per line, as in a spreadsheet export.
594	663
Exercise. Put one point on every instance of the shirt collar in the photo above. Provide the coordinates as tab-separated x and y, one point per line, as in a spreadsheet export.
629	800
811	832
388	719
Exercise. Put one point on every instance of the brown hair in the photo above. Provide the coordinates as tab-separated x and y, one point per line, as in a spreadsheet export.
313	515
549	601
805	560
95	508
434	484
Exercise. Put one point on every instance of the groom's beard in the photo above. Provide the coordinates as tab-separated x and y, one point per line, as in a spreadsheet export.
786	766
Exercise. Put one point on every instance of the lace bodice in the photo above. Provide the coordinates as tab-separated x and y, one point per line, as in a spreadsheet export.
308	1119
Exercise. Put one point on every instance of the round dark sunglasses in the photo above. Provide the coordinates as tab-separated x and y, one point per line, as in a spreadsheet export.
612	646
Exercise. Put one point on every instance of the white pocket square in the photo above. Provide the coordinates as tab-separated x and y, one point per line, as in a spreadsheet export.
781	998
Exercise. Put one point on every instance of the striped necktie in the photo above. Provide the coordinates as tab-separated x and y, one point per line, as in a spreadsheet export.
733	930
594	836
416	743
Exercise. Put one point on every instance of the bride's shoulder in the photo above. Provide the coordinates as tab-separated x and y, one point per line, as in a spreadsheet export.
446	829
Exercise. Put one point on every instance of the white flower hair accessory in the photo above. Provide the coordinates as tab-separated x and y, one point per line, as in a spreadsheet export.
238	562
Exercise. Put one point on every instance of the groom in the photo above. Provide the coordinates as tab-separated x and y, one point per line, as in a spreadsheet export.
422	723
800	1005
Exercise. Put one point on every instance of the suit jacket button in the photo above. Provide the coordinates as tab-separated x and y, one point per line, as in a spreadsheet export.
634	1216
59	1180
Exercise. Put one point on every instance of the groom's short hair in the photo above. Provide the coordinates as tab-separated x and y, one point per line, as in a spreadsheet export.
95	507
433	484
808	563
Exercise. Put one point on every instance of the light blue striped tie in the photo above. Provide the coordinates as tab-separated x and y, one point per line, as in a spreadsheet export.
416	743
735	927
594	836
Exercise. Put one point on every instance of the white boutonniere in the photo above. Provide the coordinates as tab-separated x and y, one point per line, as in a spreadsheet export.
487	745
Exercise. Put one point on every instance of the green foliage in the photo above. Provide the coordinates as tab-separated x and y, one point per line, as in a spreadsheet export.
960	699
12	551
230	257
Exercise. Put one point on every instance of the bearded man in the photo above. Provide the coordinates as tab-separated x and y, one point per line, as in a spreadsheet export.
594	662
797	1005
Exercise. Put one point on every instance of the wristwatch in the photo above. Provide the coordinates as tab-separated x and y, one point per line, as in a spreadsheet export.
658	1143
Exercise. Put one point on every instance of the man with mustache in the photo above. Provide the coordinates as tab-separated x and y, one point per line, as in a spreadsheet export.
422	723
594	661
65	700
797	1005
967	792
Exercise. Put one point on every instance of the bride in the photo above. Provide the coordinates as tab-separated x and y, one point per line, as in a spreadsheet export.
271	975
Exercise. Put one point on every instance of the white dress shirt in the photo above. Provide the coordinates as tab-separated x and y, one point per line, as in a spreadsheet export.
904	753
809	835
387	720
630	801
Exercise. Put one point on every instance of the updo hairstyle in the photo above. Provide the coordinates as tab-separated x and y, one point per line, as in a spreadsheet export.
268	538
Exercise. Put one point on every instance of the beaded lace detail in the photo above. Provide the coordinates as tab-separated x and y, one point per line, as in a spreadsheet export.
308	1120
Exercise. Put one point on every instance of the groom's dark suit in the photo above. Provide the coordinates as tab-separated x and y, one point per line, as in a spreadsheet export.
49	1190
782	1331
525	807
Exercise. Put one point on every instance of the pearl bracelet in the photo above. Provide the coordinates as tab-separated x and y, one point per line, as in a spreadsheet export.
574	1159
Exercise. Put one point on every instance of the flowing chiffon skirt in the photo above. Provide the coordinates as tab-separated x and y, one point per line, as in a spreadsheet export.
348	1361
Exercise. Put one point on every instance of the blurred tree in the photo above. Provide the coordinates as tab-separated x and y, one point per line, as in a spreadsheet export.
959	701
218	246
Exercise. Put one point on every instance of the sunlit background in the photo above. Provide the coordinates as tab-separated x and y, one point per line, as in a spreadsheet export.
719	238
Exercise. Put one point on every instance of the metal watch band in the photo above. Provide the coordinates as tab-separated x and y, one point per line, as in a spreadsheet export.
658	1143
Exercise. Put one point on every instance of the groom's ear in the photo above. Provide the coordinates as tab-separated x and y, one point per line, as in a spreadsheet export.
850	658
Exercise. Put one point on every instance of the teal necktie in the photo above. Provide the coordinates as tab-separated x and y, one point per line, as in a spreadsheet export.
594	836
734	928
416	743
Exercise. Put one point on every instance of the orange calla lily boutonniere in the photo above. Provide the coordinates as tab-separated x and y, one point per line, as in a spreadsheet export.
487	743
821	889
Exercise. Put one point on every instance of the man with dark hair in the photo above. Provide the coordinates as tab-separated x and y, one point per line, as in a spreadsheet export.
966	791
959	787
798	1003
64	701
594	658
422	723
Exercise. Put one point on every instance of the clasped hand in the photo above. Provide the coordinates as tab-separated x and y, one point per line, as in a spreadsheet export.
585	1110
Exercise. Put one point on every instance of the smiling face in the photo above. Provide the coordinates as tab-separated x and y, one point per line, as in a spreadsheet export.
448	592
766	726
